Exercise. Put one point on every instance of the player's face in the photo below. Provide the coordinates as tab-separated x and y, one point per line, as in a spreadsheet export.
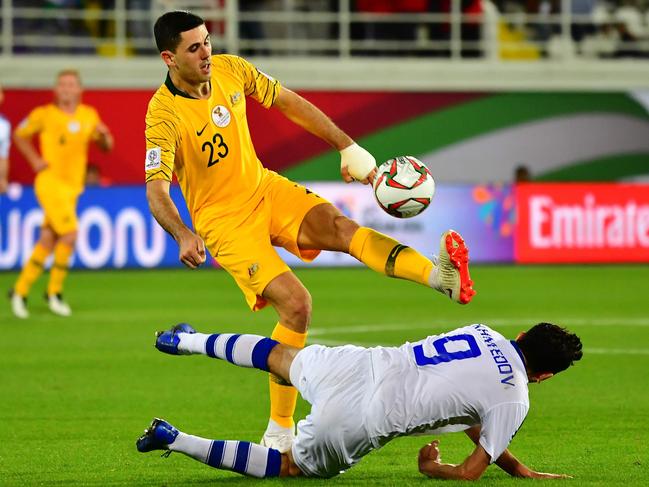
192	57
67	89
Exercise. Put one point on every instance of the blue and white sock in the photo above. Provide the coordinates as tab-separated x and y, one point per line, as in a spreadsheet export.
237	456
241	350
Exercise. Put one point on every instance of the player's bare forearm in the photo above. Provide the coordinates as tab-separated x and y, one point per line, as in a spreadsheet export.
104	138
507	461
27	149
510	464
311	118
164	210
4	174
191	249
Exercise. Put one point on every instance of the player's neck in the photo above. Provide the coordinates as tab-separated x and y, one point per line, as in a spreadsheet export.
200	91
67	107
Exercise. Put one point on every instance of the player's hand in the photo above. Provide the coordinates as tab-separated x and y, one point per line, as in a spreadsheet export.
430	452
191	250
356	164
38	165
4	184
103	136
548	476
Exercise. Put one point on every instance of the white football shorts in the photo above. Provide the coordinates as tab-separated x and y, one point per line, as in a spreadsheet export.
338	383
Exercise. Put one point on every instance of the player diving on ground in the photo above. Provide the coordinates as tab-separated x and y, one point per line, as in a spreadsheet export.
470	379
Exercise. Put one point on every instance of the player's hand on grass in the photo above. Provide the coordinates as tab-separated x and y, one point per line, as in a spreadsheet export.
356	164
548	476
191	250
428	455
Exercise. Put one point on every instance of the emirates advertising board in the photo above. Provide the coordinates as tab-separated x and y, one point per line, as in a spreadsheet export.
528	223
582	223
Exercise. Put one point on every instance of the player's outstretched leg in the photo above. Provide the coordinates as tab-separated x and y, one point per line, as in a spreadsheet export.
449	275
242	350
237	456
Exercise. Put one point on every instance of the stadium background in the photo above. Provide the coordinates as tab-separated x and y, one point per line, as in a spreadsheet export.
473	108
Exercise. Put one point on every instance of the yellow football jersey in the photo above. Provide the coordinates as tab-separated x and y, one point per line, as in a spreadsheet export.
207	143
64	139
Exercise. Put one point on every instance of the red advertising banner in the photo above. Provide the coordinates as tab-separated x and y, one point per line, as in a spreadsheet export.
582	223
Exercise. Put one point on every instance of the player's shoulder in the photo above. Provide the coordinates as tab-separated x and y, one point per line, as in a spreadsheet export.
88	110
162	104
231	61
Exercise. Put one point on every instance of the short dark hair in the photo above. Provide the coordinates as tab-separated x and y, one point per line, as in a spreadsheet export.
169	27
549	348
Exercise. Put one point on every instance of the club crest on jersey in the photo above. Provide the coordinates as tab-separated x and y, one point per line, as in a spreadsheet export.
235	97
74	126
252	270
221	116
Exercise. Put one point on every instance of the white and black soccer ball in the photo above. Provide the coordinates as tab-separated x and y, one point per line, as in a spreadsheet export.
404	187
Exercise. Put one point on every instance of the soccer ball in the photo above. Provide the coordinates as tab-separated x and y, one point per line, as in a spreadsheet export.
403	187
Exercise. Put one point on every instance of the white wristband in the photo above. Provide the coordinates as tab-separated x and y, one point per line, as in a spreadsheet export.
358	161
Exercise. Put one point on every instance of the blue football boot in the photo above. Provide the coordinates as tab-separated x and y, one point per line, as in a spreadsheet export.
157	436
167	341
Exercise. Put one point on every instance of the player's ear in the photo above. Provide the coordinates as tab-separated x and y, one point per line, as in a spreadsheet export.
168	58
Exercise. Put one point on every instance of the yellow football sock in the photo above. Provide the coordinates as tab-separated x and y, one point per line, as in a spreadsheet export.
62	254
284	397
387	256
32	269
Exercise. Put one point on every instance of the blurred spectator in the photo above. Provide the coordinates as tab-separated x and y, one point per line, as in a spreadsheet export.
390	31
470	29
5	142
94	177
522	174
253	29
632	29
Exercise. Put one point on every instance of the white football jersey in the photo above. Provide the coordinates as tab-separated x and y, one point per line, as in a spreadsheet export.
5	137
449	382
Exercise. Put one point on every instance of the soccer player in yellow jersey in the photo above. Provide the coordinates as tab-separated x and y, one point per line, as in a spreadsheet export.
196	127
65	128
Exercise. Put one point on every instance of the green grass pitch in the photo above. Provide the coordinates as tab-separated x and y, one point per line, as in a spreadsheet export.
76	393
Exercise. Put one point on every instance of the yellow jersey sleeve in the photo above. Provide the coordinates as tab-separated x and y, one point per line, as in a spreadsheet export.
257	84
162	137
32	124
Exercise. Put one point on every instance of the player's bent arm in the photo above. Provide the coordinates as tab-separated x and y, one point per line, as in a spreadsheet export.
103	137
510	464
27	149
356	162
471	468
311	118
163	209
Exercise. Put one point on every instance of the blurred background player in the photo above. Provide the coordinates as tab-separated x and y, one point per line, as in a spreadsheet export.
65	129
5	143
470	379
196	127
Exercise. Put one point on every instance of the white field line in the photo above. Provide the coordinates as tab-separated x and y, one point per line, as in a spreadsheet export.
368	329
495	322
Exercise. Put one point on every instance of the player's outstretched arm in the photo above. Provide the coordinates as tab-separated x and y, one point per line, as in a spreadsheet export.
356	162
191	246
510	464
430	464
